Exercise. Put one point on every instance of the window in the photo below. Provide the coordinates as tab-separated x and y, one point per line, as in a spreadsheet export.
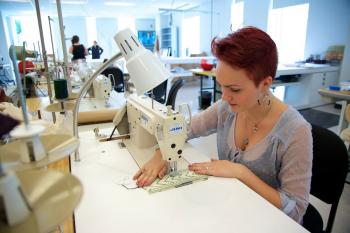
25	30
237	15
287	27
190	36
91	30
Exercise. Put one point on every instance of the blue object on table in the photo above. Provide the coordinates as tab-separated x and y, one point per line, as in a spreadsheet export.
334	88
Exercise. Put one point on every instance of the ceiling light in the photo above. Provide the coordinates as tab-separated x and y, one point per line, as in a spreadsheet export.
119	4
15	1
72	2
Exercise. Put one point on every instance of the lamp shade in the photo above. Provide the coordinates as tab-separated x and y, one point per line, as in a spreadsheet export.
146	71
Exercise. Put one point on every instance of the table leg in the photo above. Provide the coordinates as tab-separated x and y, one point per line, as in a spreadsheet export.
201	91
214	92
342	121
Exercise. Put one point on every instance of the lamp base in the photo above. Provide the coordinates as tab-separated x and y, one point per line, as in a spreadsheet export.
62	193
12	199
30	147
56	146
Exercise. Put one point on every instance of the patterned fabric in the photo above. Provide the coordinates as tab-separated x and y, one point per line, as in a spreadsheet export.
182	178
283	159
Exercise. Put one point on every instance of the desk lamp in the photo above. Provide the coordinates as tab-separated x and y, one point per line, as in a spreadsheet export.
146	71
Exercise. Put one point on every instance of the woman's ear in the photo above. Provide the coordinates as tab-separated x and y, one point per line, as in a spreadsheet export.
266	83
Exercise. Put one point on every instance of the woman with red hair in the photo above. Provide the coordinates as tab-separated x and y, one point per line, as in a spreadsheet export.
261	141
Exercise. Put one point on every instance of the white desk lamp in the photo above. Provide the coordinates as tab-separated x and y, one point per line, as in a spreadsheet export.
146	71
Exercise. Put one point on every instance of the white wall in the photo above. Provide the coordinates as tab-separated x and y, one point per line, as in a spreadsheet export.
256	13
145	24
221	17
72	26
3	43
328	24
345	68
219	27
76	26
106	30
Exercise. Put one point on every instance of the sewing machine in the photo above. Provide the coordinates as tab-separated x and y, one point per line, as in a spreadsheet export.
151	123
102	87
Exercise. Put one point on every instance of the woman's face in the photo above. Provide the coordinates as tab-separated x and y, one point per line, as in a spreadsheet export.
237	89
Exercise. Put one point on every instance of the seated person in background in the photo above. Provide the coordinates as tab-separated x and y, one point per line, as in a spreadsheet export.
261	141
29	66
77	50
28	80
116	76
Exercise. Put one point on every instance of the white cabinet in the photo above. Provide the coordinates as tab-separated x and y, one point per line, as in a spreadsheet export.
321	81
331	78
169	40
305	95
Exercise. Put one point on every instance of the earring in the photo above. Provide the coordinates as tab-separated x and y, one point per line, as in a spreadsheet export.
265	100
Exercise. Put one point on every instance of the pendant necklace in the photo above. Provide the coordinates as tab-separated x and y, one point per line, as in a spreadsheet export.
255	127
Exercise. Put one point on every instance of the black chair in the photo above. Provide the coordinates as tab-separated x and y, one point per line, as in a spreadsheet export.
329	170
29	87
173	93
159	92
116	76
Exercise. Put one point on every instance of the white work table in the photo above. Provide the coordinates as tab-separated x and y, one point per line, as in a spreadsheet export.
216	205
186	60
306	69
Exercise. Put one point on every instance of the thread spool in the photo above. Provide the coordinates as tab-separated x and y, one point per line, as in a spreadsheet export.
27	53
61	90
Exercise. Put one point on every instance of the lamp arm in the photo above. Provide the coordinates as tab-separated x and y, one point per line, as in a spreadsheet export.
22	99
84	90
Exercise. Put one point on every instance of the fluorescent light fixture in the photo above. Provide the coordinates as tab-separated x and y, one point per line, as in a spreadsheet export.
72	2
23	1
119	4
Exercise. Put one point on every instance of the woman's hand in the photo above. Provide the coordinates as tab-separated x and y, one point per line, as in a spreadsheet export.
221	168
155	167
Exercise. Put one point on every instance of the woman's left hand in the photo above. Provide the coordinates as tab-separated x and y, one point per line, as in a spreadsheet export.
221	168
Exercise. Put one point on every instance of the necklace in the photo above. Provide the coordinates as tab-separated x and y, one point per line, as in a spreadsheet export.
255	127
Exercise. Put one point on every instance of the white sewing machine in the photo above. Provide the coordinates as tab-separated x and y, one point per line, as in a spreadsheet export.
151	125
102	88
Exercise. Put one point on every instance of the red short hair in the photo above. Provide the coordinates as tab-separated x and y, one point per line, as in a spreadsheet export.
250	49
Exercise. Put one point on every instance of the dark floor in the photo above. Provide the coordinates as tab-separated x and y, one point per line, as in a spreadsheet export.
320	118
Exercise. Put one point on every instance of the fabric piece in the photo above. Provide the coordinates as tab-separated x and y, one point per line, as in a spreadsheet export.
128	182
182	178
7	124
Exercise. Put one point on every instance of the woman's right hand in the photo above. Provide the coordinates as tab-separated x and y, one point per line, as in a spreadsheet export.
155	167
